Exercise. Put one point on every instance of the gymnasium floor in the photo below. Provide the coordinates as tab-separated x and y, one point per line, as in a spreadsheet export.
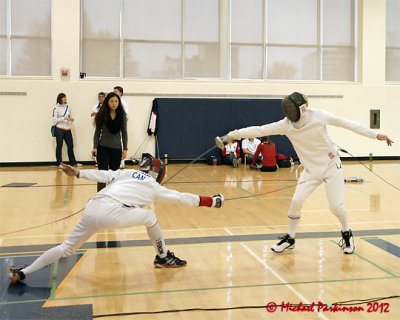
230	263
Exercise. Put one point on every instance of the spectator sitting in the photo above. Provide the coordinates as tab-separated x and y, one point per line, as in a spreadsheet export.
249	147
231	154
267	149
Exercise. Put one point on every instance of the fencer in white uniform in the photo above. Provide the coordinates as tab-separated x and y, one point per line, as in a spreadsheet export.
121	205
306	129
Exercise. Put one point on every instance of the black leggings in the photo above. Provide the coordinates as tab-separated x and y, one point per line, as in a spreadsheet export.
107	158
268	169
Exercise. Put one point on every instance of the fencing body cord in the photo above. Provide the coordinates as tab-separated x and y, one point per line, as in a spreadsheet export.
370	170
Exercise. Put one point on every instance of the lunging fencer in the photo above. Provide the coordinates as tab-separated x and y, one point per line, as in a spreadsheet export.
121	205
306	129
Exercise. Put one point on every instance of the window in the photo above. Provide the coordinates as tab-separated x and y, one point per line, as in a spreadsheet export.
392	40
171	39
293	39
219	39
25	38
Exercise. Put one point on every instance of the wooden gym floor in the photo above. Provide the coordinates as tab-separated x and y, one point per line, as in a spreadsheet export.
230	263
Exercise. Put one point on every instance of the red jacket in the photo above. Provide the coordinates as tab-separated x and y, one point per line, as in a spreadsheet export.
268	154
234	147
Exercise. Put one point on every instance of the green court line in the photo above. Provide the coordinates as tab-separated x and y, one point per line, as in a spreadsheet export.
356	189
248	192
54	281
375	265
199	289
149	247
66	196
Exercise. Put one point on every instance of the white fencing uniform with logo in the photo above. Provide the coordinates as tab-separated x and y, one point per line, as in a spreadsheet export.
120	205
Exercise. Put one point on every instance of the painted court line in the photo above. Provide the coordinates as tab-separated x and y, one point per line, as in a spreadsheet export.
205	229
196	289
228	232
281	279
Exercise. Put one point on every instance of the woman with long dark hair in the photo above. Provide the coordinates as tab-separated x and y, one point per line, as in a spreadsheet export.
110	131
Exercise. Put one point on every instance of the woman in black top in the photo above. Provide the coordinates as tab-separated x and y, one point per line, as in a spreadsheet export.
110	128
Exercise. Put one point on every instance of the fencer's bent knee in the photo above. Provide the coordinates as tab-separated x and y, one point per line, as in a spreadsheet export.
338	210
295	209
65	249
150	220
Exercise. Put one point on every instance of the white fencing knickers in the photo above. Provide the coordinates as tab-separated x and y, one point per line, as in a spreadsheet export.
334	187
100	213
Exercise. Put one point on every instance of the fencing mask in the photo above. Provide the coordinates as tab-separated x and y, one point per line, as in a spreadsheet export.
294	107
154	167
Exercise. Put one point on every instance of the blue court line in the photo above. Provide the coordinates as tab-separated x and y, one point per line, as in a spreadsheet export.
384	245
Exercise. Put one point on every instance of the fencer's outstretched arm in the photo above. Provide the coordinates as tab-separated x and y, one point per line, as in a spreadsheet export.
93	175
251	132
356	127
167	195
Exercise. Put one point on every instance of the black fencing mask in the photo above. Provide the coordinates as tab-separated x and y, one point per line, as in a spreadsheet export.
291	106
154	167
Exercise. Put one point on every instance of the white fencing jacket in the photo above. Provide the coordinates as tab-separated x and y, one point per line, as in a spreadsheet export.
311	142
136	188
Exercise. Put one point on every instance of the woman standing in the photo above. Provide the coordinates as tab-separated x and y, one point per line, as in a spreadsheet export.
110	127
63	119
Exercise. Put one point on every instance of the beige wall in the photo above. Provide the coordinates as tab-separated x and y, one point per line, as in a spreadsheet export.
26	120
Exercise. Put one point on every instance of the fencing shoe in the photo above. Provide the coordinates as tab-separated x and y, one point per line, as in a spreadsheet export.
170	261
347	242
286	243
15	274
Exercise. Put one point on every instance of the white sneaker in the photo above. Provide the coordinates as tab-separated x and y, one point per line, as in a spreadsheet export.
347	242
78	165
286	243
122	165
234	163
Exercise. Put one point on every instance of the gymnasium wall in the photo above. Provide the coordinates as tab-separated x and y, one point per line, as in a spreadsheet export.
26	119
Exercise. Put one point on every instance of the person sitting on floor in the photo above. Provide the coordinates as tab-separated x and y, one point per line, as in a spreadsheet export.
267	149
231	154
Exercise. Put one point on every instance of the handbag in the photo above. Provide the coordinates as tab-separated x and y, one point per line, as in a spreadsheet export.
53	127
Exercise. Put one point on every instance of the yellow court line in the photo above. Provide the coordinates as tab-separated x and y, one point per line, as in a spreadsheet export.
63	283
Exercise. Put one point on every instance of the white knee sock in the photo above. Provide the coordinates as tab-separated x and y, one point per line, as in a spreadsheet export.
344	221
157	239
292	227
47	258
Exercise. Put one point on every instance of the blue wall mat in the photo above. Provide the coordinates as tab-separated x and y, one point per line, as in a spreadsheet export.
187	127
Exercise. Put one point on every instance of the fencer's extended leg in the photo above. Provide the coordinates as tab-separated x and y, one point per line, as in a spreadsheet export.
76	239
305	187
334	186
